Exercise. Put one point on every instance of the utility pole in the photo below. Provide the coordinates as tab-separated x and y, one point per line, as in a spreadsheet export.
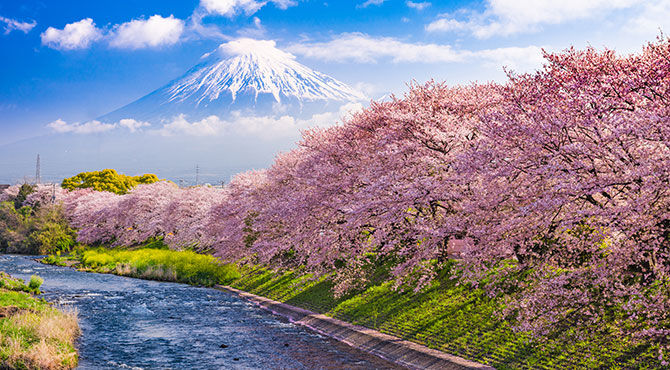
197	174
37	170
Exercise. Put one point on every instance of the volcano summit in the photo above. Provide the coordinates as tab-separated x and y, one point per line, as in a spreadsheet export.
245	77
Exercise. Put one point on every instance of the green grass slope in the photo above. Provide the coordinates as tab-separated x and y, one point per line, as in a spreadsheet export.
456	319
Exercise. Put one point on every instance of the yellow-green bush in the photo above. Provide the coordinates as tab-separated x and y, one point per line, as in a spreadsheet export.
160	264
107	180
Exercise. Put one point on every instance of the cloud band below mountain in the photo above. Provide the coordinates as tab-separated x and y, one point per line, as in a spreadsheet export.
265	127
90	127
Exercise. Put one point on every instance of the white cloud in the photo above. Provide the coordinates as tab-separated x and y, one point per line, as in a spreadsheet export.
516	58
78	35
446	25
94	126
370	2
284	4
143	33
418	5
368	89
89	127
208	31
133	125
287	126
507	17
244	45
266	127
257	30
360	47
13	24
231	8
654	17
210	126
551	11
331	118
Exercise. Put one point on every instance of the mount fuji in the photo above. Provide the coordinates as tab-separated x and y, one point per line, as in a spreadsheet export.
235	110
244	77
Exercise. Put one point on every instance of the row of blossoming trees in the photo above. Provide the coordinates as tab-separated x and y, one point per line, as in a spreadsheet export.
557	182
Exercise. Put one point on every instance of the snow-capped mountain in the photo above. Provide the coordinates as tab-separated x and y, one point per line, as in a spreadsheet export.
243	103
245	76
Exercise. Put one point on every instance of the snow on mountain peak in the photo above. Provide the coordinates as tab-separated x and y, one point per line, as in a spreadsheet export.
246	46
256	66
253	77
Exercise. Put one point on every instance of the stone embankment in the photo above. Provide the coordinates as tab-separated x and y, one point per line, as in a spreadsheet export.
393	349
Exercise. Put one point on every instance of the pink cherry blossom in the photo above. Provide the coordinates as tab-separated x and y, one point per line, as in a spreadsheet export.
561	176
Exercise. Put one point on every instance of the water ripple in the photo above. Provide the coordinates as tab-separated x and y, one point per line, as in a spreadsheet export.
137	324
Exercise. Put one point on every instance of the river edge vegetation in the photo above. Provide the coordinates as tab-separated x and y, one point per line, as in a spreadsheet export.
34	227
151	261
33	333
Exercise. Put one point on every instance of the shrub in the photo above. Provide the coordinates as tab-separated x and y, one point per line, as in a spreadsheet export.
24	191
34	334
160	264
107	180
29	231
35	283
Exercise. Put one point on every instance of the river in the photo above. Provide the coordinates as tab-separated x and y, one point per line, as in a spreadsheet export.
140	324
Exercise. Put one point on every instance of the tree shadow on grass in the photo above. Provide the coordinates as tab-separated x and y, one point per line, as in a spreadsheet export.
277	288
384	309
317	297
451	318
252	279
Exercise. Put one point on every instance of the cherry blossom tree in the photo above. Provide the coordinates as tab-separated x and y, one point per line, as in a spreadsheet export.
45	194
185	217
572	170
10	193
553	185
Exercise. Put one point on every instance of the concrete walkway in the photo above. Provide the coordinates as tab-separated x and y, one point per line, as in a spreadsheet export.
393	349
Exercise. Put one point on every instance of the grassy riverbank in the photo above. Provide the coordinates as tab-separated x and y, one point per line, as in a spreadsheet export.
33	334
151	262
457	319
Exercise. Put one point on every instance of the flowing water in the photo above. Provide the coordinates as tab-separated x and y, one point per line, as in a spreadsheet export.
140	324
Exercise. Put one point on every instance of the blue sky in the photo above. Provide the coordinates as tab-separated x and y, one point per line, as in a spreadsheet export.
77	60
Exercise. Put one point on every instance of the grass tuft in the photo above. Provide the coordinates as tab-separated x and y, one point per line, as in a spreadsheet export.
35	283
33	334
